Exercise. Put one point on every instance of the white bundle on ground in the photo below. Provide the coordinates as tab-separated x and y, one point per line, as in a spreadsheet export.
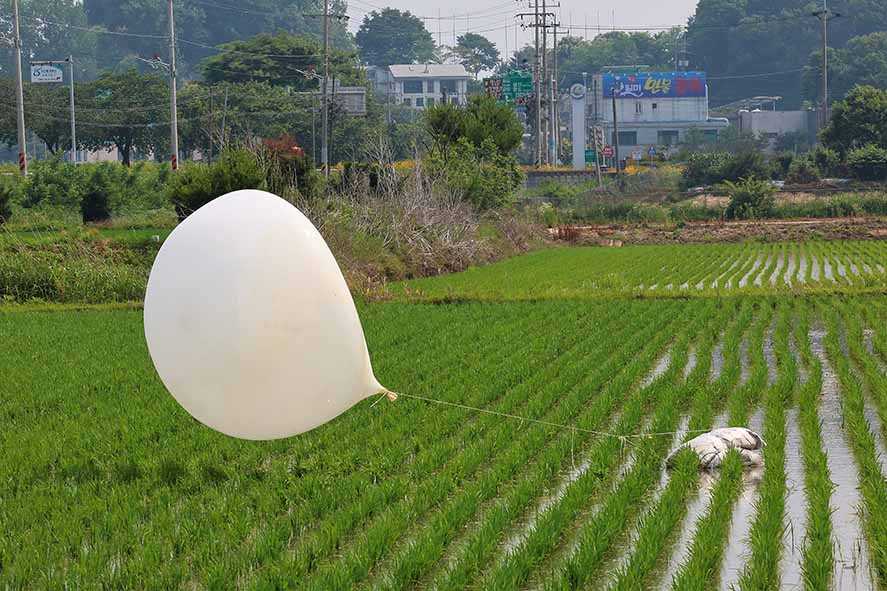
712	447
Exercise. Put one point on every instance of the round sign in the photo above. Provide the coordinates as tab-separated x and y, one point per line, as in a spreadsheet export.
608	151
577	91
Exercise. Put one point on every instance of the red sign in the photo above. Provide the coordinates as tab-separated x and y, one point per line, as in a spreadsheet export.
608	151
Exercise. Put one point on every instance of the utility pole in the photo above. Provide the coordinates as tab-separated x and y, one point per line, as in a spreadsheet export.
73	123
325	115
555	98
173	108
19	94
616	142
537	76
545	84
824	15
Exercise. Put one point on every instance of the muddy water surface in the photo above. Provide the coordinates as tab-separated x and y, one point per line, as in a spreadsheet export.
852	556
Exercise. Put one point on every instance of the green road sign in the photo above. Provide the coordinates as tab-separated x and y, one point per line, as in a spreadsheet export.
516	83
590	156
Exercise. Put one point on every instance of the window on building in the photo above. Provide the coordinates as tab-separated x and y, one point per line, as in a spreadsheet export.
627	138
448	87
668	137
655	106
429	101
710	135
639	107
420	102
429	87
412	87
407	102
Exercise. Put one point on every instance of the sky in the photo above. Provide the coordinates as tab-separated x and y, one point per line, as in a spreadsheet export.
495	19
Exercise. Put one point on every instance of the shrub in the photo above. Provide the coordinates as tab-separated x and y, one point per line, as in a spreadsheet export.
703	168
750	199
745	165
95	205
8	194
484	177
54	182
783	163
868	163
803	171
827	161
198	184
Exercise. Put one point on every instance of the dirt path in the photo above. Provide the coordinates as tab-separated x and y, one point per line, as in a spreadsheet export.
706	232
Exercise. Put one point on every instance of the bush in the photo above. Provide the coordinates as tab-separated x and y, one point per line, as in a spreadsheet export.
827	161
484	177
704	168
750	199
783	163
802	171
868	163
745	165
8	194
95	205
54	182
197	184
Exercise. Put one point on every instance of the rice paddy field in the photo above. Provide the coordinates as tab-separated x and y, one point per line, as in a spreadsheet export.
612	357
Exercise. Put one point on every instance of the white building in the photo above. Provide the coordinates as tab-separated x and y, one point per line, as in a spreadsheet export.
772	124
420	85
653	109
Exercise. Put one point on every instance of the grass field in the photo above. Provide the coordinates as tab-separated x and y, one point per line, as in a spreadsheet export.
106	482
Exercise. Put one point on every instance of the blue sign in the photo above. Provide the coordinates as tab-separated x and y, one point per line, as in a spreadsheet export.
655	85
651	151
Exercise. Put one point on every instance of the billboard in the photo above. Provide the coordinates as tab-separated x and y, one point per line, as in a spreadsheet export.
655	85
43	73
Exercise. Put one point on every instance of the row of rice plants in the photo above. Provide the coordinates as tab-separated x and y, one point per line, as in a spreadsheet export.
553	459
426	546
415	429
872	374
597	537
95	355
704	560
435	452
765	538
499	456
873	484
549	525
657	527
478	547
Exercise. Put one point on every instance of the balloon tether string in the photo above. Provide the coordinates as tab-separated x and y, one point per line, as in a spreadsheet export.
623	438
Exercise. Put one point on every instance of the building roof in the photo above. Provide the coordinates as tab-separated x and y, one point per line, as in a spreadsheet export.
429	71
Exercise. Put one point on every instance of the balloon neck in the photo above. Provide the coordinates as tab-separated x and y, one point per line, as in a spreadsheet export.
392	396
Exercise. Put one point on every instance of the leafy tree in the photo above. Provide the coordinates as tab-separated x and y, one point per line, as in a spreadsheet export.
197	184
283	59
868	163
199	25
390	37
481	121
476	53
750	199
859	120
129	111
44	41
862	61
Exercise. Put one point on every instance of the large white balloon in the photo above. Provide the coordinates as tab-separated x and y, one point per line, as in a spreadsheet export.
250	323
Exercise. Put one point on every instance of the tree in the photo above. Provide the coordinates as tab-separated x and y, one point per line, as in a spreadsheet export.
862	61
282	60
44	41
390	37
859	120
204	25
481	121
476	53
129	111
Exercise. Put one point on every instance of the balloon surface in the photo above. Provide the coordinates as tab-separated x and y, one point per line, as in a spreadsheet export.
249	321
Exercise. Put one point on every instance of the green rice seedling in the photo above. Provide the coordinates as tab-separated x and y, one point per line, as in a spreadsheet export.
762	570
356	564
872	481
520	562
818	552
